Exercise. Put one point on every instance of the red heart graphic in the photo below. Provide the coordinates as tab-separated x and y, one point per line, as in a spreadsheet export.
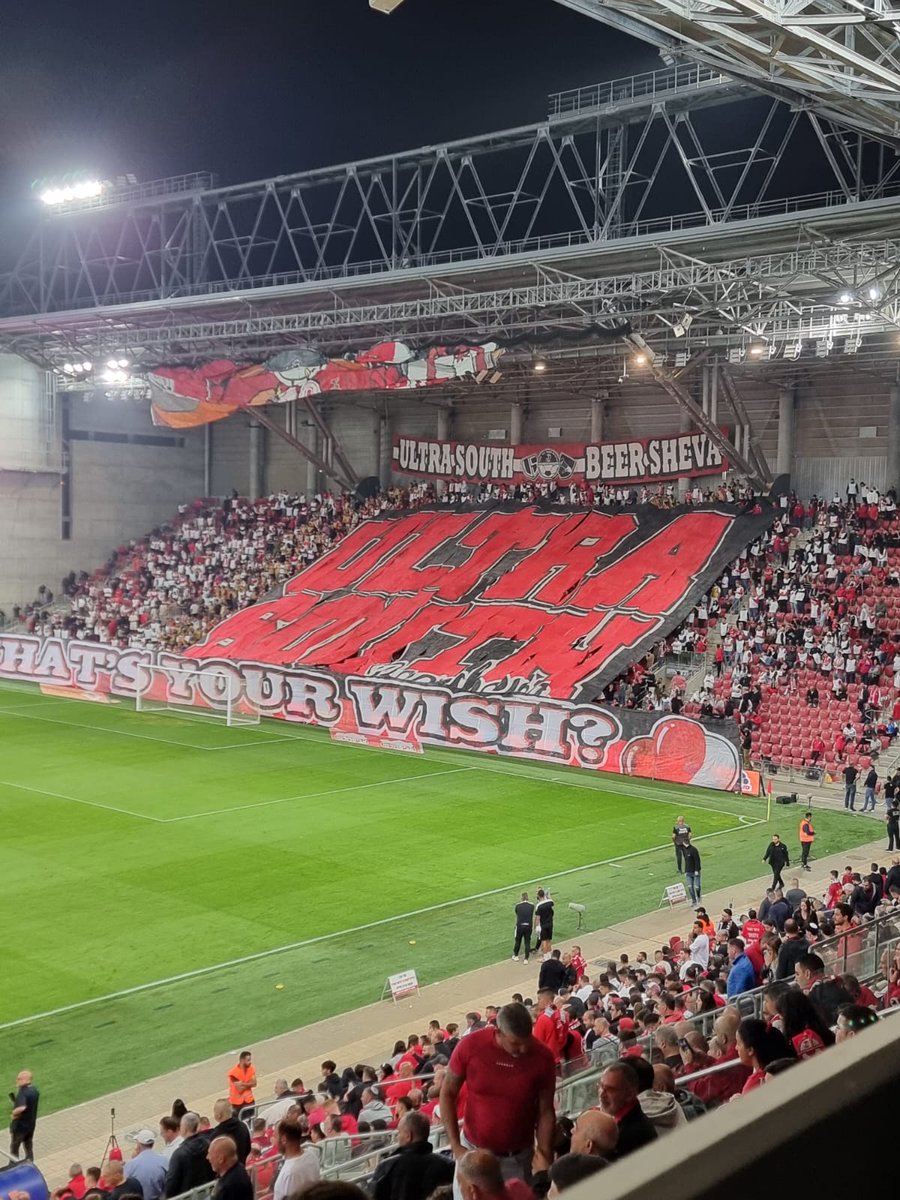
675	750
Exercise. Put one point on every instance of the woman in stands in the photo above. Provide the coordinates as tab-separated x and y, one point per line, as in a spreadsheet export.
801	1023
757	1046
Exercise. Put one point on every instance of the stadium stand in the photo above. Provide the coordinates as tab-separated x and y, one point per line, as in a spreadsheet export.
662	1012
798	637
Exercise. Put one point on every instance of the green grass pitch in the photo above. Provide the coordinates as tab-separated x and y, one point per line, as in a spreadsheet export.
156	849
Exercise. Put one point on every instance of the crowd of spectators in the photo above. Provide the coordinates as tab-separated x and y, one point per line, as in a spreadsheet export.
808	612
667	1030
170	588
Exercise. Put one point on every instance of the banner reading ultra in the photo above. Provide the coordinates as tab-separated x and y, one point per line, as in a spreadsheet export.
637	461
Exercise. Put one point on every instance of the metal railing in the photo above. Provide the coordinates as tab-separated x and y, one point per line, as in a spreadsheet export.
650	85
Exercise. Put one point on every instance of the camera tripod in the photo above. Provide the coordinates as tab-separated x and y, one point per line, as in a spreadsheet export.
111	1141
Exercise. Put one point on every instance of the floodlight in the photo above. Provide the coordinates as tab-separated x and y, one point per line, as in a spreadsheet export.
86	366
68	368
757	349
874	293
123	363
540	365
640	360
77	368
85	189
845	298
385	6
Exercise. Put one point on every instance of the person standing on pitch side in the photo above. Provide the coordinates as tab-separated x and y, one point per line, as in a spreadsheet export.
24	1116
692	872
543	916
807	837
681	835
777	857
524	926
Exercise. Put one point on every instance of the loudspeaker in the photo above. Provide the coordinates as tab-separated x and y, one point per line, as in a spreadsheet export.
791	799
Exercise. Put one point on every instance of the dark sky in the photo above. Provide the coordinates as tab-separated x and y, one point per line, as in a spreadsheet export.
250	88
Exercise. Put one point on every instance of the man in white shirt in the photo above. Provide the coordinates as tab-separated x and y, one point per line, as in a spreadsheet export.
301	1166
170	1132
699	947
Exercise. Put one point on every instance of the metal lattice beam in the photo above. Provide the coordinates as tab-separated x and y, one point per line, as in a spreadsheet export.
639	157
840	292
841	57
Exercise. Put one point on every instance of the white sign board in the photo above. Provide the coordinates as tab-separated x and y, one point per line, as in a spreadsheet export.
406	983
675	894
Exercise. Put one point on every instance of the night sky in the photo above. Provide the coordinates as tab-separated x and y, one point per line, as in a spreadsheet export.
251	89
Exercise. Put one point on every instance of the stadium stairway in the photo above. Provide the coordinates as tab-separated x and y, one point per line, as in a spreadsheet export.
79	1134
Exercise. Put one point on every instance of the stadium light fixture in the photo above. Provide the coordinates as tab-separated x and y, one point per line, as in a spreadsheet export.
540	365
85	189
757	349
846	298
874	293
640	360
385	6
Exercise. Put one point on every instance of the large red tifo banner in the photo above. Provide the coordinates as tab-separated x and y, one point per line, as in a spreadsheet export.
637	461
505	599
185	397
403	715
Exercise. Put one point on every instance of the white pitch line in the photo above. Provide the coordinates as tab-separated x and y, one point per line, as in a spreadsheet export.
325	937
620	790
76	800
145	737
216	812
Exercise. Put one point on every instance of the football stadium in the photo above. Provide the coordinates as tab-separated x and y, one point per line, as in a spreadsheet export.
450	602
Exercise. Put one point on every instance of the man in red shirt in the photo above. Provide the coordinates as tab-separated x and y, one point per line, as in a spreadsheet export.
752	929
550	1026
510	1080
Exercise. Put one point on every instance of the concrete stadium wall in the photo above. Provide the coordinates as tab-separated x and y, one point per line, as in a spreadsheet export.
124	477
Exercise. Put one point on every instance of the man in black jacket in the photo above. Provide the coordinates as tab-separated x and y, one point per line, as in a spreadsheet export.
233	1180
413	1171
230	1126
553	974
618	1091
777	857
524	926
793	948
188	1166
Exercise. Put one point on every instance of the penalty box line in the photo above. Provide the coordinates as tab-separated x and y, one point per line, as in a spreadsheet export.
261	955
125	812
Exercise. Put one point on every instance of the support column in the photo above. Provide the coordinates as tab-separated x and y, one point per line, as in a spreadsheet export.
598	413
713	409
515	423
443	435
893	445
207	459
384	450
682	483
784	454
312	471
256	460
